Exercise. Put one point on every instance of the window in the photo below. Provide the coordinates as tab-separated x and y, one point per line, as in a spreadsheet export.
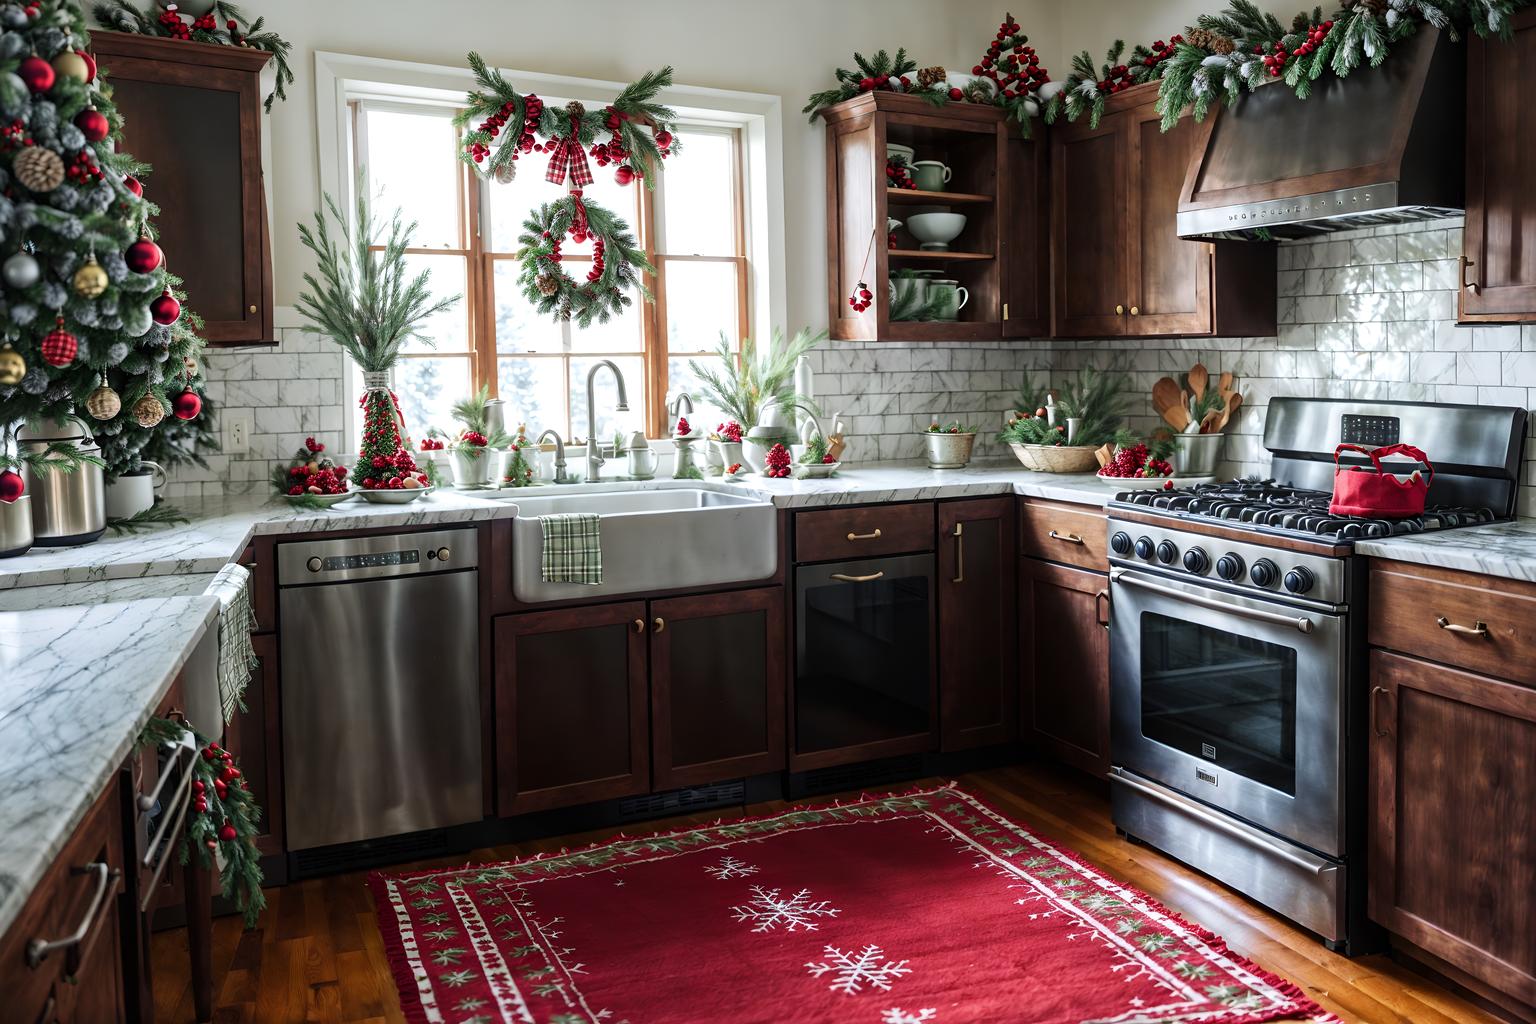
693	225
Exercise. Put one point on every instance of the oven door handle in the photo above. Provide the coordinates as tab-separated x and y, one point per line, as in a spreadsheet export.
1300	623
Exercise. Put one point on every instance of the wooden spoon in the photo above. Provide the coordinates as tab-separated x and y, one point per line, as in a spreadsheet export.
1211	424
1198	378
1224	383
1165	399
1234	402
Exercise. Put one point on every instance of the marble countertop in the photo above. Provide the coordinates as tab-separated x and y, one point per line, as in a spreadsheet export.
1498	549
220	528
76	687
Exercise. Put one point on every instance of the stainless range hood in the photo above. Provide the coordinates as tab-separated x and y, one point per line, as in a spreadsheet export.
1383	146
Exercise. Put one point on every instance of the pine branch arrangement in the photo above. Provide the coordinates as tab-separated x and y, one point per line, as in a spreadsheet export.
225	25
618	262
363	300
742	386
880	72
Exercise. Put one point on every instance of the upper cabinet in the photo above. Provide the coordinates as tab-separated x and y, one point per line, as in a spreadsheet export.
1498	273
192	111
995	192
1120	268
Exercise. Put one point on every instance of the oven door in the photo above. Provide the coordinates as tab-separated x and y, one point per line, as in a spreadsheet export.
1237	702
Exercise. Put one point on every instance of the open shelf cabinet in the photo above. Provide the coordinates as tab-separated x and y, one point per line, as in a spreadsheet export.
999	183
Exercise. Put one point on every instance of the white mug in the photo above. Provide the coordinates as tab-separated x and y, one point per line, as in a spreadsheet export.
134	492
642	462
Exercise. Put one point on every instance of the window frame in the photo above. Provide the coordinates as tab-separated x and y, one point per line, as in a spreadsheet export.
342	80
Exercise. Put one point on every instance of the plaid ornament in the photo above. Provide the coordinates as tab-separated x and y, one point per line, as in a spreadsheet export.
59	347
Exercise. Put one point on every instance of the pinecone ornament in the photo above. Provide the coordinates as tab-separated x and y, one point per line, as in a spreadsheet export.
548	285
506	173
38	169
1205	39
148	411
1222	45
928	78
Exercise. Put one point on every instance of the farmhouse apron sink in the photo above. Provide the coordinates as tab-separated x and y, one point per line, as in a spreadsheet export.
651	541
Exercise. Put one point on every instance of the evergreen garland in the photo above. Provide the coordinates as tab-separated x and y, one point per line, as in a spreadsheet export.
882	72
618	262
225	25
223	817
1243	47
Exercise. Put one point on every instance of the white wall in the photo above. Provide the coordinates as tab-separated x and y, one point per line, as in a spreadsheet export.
789	48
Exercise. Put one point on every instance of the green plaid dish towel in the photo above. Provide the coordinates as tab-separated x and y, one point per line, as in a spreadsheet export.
573	551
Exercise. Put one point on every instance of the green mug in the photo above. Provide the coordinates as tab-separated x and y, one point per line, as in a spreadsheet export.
955	297
930	175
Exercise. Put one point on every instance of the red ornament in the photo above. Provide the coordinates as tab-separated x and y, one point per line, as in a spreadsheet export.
187	405
37	73
624	175
12	486
144	256
90	65
228	833
59	346
133	185
165	309
93	124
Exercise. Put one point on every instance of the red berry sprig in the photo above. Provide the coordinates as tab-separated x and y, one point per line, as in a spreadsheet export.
884	83
1162	51
207	23
683	429
1276	59
82	168
1011	63
174	27
898	175
1119	80
533	108
777	461
861	298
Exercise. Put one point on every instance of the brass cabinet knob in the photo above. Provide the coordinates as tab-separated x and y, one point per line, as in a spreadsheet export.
1119	309
661	624
253	309
1135	311
639	625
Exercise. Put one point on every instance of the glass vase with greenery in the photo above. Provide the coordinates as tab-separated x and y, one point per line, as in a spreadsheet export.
363	297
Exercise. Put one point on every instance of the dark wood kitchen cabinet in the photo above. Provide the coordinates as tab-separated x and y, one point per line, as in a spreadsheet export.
1452	865
1064	649
717	686
1498	272
1119	267
192	111
572	718
977	623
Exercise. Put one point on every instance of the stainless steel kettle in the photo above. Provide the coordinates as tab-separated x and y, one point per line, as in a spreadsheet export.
67	508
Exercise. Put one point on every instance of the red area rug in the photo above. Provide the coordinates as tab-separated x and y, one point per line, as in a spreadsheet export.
922	908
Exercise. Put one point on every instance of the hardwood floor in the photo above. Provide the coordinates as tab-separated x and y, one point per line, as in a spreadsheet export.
317	955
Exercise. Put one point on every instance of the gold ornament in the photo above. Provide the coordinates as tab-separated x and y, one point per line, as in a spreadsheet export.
12	367
148	411
104	403
72	65
39	169
90	280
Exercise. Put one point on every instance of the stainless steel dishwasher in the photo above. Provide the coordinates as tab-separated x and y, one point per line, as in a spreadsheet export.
380	658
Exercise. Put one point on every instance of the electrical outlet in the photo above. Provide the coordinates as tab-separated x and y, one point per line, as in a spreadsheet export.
237	432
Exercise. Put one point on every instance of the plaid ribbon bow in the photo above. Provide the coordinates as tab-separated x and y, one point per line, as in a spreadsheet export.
568	154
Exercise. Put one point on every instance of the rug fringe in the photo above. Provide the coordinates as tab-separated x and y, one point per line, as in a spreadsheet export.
414	1011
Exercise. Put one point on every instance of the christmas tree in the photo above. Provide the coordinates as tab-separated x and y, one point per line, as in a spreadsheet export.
90	322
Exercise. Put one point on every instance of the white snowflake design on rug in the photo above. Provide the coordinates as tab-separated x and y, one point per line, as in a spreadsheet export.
868	911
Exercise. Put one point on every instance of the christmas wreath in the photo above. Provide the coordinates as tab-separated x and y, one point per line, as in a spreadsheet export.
222	820
1243	47
203	21
617	261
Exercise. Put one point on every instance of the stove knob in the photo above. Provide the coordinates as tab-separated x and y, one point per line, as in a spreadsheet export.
1120	543
1197	561
1299	580
1144	547
314	564
1264	573
1230	567
1167	553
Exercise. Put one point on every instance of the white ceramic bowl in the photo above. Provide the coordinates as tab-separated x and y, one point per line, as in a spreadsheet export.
936	230
907	153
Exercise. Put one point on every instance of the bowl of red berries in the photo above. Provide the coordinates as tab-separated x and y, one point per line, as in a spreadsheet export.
1134	467
312	479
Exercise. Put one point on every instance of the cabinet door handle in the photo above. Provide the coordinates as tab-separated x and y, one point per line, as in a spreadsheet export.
1135	311
660	624
1481	629
1470	286
959	553
1103	620
875	535
38	950
639	625
1375	719
1070	538
1119	309
843	578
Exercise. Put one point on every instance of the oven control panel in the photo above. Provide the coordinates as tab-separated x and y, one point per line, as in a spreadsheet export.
1228	564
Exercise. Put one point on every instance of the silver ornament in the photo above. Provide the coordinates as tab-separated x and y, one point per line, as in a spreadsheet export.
20	270
137	321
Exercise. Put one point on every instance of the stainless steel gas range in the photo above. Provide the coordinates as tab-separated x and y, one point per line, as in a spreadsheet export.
1238	689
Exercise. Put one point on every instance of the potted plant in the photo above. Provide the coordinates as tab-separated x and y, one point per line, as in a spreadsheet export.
949	446
1062	433
363	298
746	386
727	440
472	450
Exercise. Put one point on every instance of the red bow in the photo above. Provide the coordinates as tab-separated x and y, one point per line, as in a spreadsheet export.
569	154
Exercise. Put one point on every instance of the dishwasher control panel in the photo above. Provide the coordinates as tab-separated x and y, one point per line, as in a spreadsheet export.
375	557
